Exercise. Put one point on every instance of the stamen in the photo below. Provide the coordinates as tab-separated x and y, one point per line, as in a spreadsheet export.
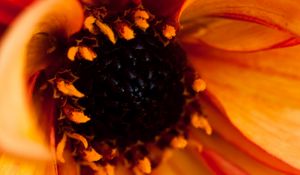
89	23
169	31
141	19
144	165
106	30
60	149
79	117
199	85
91	155
75	115
125	31
68	89
110	170
87	53
179	142
199	121
79	138
72	52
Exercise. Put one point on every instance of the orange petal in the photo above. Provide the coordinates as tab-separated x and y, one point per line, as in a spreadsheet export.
18	166
281	14
18	128
250	25
182	162
234	35
227	157
259	93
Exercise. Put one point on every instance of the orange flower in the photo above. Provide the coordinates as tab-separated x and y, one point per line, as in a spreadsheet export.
246	52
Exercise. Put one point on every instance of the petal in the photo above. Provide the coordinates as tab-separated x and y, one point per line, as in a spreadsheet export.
182	162
259	93
269	22
234	35
19	132
227	157
18	166
220	165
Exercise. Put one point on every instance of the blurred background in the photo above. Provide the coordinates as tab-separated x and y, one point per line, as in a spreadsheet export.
9	9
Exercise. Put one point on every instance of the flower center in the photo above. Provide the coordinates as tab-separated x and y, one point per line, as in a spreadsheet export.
133	89
123	89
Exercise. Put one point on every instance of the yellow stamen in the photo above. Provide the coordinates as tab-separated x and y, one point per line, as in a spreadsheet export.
87	53
179	142
68	89
144	165
141	19
201	122
89	24
199	85
93	166
106	30
72	52
110	170
125	31
60	149
169	31
79	138
78	117
91	155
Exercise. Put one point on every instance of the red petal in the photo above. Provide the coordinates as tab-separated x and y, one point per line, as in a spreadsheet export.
219	165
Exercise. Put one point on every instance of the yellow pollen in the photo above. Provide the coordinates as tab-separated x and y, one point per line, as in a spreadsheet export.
199	85
201	122
169	31
60	149
89	24
79	138
72	52
78	117
144	165
87	53
68	89
179	142
91	155
126	32
141	19
106	30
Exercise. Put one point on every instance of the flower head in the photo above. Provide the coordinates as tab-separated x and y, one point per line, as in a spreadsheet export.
236	70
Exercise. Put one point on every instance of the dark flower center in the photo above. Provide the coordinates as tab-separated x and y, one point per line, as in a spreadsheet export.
133	90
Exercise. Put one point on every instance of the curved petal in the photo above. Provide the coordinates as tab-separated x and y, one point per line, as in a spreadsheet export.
19	132
269	22
259	93
182	162
218	152
234	35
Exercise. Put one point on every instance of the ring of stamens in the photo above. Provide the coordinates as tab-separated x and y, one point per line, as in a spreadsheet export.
90	84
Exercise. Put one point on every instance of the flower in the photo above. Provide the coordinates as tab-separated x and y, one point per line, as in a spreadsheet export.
251	99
